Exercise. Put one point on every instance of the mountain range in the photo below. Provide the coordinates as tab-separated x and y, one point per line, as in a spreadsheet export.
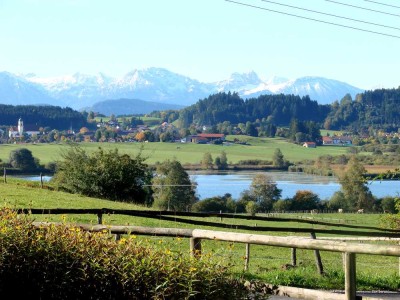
156	85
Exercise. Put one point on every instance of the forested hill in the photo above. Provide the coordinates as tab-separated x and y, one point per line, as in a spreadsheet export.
278	109
378	108
54	117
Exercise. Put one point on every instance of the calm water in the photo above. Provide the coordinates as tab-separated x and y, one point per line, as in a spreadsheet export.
218	184
210	185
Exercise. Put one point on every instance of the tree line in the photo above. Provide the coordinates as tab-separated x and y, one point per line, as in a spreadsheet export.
378	109
54	117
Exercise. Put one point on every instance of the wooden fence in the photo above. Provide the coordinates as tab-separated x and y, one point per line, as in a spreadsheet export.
349	250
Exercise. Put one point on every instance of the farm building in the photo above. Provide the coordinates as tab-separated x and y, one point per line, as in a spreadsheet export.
310	145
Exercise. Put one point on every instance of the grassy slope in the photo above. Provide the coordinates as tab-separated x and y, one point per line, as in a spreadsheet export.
374	272
258	148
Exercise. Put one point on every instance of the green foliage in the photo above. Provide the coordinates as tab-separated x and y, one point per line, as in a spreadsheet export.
282	205
305	200
52	116
102	174
221	161
60	262
264	191
371	108
354	186
278	159
172	187
207	161
339	201
251	208
229	107
215	204
388	205
23	159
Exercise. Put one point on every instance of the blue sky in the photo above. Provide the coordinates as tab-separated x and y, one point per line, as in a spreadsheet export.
204	39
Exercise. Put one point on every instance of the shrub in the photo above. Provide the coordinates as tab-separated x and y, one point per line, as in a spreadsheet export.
60	262
107	175
23	159
223	203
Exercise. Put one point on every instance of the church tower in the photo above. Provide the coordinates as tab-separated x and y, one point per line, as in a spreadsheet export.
20	126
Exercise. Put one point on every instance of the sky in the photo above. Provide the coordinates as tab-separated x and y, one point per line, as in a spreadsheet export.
206	40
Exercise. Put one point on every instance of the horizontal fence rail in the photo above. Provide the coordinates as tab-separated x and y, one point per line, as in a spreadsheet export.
348	249
174	217
257	239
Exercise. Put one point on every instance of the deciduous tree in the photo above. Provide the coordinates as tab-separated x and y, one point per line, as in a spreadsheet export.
265	191
173	189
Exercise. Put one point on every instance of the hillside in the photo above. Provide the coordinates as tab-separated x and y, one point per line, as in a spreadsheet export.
42	116
130	107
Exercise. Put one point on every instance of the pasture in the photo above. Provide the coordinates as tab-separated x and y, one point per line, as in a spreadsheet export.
257	148
270	264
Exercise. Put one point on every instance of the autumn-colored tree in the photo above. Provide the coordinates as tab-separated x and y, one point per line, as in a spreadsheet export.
83	130
140	136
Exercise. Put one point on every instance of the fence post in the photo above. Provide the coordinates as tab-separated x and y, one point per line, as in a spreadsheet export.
350	276
247	257
99	218
195	247
117	237
41	180
294	257
317	257
5	175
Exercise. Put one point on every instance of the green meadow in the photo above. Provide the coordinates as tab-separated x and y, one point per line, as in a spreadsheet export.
187	153
269	264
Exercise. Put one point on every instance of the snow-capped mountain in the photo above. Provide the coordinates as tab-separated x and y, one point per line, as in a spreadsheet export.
157	85
325	91
17	90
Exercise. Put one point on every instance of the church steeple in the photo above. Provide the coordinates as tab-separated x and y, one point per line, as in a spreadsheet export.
20	126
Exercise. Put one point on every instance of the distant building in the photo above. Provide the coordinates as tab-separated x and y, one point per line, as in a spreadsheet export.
337	140
20	130
310	145
203	138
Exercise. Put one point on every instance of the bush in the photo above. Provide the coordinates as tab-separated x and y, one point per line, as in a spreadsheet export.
59	262
107	175
23	159
214	204
282	205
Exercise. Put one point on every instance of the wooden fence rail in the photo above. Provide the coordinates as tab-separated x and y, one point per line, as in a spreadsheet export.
349	250
174	216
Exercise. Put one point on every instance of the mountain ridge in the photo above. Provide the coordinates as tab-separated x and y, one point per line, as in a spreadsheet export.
158	85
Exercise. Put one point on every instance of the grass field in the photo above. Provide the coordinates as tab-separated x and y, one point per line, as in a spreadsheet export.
269	264
257	148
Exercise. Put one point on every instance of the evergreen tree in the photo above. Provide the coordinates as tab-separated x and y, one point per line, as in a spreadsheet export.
278	159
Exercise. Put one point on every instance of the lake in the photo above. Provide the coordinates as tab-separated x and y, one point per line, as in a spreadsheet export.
218	184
